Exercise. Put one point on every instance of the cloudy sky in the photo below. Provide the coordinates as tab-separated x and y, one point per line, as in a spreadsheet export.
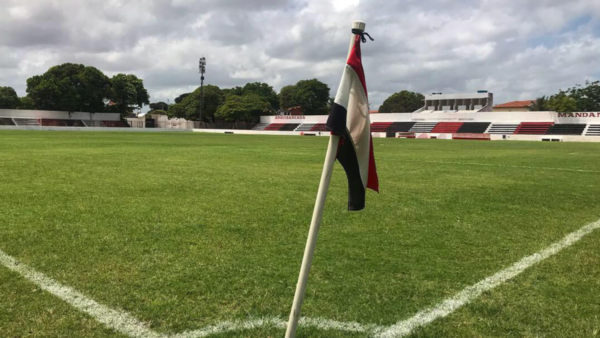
517	49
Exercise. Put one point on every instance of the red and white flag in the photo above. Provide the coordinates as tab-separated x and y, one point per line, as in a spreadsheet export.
349	118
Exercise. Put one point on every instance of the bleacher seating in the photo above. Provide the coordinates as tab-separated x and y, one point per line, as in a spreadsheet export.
93	123
289	127
305	127
400	127
380	127
260	126
447	127
593	130
533	128
567	129
53	123
6	121
319	127
473	127
74	123
423	127
116	124
26	122
274	126
503	128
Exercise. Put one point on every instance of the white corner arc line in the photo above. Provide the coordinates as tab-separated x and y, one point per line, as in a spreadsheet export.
117	320
125	323
443	309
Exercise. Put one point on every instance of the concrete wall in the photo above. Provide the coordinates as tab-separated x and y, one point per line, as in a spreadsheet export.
62	115
272	132
494	117
152	130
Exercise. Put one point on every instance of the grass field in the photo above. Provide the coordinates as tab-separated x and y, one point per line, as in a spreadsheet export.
188	230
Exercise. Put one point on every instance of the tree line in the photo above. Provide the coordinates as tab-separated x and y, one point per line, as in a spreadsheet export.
75	87
247	103
578	98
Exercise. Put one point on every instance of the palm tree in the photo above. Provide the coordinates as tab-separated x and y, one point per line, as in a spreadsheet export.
540	104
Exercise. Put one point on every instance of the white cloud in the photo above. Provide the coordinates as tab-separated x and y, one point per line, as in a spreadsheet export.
516	49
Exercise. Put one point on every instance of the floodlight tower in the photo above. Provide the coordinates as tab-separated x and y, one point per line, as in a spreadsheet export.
202	69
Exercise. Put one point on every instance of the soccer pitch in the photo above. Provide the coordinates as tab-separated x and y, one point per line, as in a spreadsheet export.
200	235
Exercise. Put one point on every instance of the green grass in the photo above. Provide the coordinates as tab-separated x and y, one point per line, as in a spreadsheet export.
186	230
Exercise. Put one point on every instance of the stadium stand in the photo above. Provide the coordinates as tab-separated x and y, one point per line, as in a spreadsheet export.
400	127
53	123
6	121
503	128
305	127
423	127
289	127
533	128
274	126
380	127
93	123
473	127
74	123
566	129
593	130
26	122
319	127
116	124
260	126
447	127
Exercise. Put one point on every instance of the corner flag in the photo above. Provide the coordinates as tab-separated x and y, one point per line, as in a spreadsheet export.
349	118
350	143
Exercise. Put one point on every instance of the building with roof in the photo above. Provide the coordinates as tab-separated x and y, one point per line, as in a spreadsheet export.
514	106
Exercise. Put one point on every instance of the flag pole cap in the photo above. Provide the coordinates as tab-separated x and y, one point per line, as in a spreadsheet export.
359	25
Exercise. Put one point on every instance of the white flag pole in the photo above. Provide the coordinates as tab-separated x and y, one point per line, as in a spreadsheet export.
311	242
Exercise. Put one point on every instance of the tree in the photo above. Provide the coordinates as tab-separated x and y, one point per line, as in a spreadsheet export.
312	95
8	98
159	106
26	102
263	90
562	103
69	87
286	97
587	97
158	111
233	91
180	98
540	104
243	108
127	93
189	108
402	102
176	110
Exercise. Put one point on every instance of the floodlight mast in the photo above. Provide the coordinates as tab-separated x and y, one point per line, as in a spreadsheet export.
202	69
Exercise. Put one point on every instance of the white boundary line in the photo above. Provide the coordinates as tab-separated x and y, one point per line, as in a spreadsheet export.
125	323
467	295
117	320
510	166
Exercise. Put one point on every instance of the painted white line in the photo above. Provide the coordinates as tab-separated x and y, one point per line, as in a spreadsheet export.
125	323
406	327
320	323
117	320
511	166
